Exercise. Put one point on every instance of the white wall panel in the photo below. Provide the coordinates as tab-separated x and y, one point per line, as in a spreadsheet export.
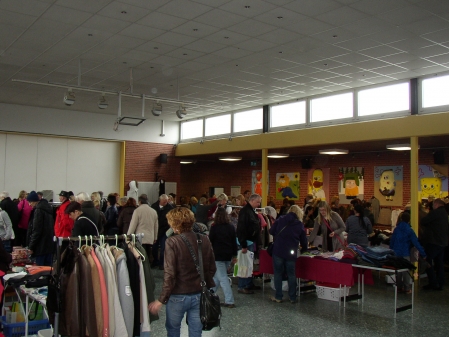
51	164
2	159
21	164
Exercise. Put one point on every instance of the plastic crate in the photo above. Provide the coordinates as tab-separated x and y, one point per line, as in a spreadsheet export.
331	294
18	329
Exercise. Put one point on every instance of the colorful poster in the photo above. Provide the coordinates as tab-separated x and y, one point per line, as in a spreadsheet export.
351	184
287	185
388	185
256	183
318	180
431	183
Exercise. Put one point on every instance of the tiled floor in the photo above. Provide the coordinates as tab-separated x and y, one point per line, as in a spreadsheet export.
256	316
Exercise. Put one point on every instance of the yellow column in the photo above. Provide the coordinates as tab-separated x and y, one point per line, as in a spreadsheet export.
414	182
264	177
122	168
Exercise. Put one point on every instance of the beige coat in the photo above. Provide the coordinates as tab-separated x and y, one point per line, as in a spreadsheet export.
144	221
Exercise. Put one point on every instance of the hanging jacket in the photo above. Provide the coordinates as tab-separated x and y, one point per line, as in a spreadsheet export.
124	290
41	239
96	290
11	208
5	226
87	303
104	295
109	288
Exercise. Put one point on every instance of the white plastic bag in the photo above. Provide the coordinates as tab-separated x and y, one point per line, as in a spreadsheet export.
244	265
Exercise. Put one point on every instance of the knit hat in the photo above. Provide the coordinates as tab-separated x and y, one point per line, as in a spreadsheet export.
32	196
64	194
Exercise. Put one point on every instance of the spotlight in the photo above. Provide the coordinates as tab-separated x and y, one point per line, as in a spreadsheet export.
102	103
157	109
181	113
69	98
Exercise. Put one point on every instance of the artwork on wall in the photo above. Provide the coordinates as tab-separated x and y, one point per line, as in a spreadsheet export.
318	181
431	183
235	191
388	185
287	185
256	184
351	184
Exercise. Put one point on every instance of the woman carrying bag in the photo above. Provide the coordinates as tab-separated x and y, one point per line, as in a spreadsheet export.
288	232
332	228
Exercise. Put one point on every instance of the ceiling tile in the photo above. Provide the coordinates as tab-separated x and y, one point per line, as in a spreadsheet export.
84	5
380	51
392	35
308	26
377	7
371	64
231	52
429	25
160	20
280	35
330	51
340	80
313	8
341	16
33	8
335	35
430	51
405	15
212	3
411	44
220	19
226	37
417	64
184	9
389	70
255	45
141	32
204	46
16	19
441	59
351	58
174	39
156	47
281	17
66	15
252	28
398	58
256	7
368	25
185	54
195	29
326	64
437	37
358	44
105	24
322	75
122	11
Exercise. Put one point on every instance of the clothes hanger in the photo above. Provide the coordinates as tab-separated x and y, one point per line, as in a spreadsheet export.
134	245
79	242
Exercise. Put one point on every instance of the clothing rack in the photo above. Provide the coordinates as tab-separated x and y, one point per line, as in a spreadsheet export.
87	238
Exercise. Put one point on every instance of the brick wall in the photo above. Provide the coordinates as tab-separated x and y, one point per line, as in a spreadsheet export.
197	178
142	162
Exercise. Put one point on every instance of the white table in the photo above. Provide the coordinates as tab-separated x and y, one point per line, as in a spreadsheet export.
33	295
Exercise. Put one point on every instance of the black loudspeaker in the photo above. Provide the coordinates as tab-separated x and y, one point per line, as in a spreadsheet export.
438	157
306	163
163	158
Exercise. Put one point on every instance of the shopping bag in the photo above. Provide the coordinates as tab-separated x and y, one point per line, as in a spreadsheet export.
245	264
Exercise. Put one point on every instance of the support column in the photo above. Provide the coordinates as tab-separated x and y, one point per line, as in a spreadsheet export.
122	168
414	182
264	177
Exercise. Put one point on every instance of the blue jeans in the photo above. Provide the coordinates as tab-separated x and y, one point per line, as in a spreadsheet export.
435	257
177	306
246	282
221	279
44	260
281	266
7	245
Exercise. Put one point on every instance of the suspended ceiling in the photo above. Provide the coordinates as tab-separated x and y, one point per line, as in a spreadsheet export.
222	55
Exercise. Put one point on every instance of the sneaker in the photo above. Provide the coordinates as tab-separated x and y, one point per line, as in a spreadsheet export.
274	299
245	291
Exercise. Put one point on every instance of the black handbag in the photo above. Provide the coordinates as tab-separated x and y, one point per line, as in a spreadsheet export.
210	309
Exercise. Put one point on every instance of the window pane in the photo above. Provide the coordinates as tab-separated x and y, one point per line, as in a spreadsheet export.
331	107
434	91
192	129
218	125
288	114
248	120
384	99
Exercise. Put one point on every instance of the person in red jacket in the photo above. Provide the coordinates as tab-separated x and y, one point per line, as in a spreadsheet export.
63	223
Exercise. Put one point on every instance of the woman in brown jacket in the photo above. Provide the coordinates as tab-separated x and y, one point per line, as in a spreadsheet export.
181	290
126	213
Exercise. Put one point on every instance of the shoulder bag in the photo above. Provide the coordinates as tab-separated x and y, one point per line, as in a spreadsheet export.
271	244
210	310
343	243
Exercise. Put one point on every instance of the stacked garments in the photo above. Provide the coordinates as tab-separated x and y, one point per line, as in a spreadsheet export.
377	255
105	291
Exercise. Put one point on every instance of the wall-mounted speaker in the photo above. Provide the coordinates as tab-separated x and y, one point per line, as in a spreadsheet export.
438	157
306	163
163	158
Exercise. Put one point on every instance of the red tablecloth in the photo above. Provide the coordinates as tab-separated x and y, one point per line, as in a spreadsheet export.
318	270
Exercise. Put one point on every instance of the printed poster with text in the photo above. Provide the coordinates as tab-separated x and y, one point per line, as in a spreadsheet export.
388	185
287	185
318	181
256	182
351	184
431	183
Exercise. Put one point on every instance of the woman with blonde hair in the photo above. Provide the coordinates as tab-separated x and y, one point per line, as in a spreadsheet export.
181	289
332	228
288	233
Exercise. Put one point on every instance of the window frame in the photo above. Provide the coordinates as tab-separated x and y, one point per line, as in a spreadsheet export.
331	121
439	108
247	132
221	135
290	126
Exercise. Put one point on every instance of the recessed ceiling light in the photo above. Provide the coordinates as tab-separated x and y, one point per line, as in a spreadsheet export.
334	36
278	155
325	64
280	52
151	67
195	29
280	17
400	147
124	62
187	161
247	6
334	151
156	48
236	65
226	37
124	12
184	54
230	158
90	34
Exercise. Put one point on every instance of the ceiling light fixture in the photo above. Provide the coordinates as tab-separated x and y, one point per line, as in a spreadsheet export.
400	147
187	161
278	155
157	109
181	113
102	103
334	151
69	97
230	158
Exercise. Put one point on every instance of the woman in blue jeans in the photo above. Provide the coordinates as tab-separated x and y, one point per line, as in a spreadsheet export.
181	290
288	232
222	237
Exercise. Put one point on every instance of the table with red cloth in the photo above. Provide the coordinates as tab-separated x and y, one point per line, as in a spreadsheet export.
320	270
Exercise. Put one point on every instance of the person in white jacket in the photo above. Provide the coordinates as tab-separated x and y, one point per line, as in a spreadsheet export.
6	232
144	220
